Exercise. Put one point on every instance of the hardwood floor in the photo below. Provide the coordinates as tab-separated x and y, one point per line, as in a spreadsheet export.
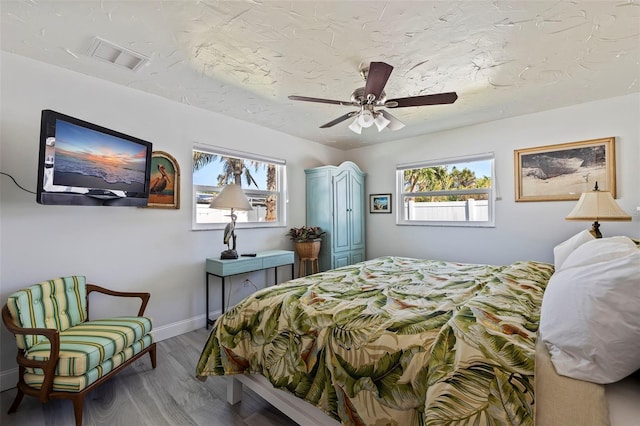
140	395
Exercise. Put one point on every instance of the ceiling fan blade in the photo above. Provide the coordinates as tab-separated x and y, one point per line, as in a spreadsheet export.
377	77
394	124
339	119
322	101
436	99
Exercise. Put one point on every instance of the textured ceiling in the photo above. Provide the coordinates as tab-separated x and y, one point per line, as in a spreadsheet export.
243	58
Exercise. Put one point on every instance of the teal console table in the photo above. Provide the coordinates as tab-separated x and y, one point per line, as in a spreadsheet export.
263	260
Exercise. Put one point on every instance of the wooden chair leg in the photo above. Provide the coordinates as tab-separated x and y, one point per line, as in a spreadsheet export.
78	402
152	354
16	401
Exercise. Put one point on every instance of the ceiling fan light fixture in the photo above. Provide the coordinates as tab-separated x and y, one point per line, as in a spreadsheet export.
381	121
355	126
366	119
394	123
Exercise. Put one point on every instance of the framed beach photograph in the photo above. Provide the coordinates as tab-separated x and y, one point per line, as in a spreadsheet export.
380	203
165	181
564	171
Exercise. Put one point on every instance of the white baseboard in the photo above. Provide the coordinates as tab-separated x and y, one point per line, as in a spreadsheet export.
9	378
177	328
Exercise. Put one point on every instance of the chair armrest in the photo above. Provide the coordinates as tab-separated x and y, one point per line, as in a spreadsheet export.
52	334
144	297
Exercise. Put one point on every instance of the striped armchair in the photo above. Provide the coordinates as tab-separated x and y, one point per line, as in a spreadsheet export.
61	354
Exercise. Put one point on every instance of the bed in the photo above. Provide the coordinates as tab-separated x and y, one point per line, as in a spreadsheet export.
396	340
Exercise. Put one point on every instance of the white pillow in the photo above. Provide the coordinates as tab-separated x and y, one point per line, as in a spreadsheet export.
600	250
590	319
564	249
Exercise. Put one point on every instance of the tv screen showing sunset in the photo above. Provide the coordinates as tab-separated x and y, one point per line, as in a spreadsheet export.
90	159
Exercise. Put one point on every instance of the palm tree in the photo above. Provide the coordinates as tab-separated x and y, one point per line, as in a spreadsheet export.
271	199
427	179
463	179
413	178
484	182
234	169
441	178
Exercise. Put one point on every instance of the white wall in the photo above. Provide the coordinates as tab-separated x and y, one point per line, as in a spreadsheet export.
125	248
524	230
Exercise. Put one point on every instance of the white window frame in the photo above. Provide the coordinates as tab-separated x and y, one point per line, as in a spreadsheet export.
281	191
490	192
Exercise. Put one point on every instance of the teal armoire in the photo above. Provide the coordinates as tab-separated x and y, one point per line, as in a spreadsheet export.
336	203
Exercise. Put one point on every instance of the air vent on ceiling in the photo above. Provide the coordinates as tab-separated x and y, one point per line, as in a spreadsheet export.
106	51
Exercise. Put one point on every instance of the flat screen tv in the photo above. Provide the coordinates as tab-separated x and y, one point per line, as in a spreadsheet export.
82	163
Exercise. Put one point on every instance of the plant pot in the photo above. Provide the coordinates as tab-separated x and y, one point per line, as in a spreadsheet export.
308	249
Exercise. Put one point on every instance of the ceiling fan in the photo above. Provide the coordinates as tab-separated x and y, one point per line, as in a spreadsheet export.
372	95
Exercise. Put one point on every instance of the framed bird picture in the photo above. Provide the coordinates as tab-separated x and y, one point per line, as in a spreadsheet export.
164	185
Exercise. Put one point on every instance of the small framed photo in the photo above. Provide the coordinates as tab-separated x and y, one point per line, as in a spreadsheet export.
165	181
565	171
380	203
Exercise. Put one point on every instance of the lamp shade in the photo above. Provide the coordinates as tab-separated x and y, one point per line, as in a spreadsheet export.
365	119
394	123
381	121
231	197
355	126
597	205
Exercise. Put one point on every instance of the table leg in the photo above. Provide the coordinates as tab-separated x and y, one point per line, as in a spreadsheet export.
222	294
206	284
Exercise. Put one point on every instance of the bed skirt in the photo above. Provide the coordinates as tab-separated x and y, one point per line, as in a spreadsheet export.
564	401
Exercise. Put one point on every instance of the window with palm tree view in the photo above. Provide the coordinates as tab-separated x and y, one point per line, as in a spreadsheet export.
262	180
455	191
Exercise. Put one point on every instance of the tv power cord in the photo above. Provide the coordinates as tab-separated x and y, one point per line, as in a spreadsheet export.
17	184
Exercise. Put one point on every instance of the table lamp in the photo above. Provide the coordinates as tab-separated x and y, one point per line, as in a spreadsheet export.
597	205
231	197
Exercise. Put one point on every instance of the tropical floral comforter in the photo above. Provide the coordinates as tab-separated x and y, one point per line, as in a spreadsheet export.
394	341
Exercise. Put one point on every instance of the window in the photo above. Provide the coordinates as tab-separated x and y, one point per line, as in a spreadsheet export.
262	180
450	192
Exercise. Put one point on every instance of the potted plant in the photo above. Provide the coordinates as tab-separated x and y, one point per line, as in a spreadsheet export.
307	240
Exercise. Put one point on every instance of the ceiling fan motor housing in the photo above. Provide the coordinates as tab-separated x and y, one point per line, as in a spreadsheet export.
357	97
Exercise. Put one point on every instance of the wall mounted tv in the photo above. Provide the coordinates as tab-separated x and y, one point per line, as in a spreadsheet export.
82	163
